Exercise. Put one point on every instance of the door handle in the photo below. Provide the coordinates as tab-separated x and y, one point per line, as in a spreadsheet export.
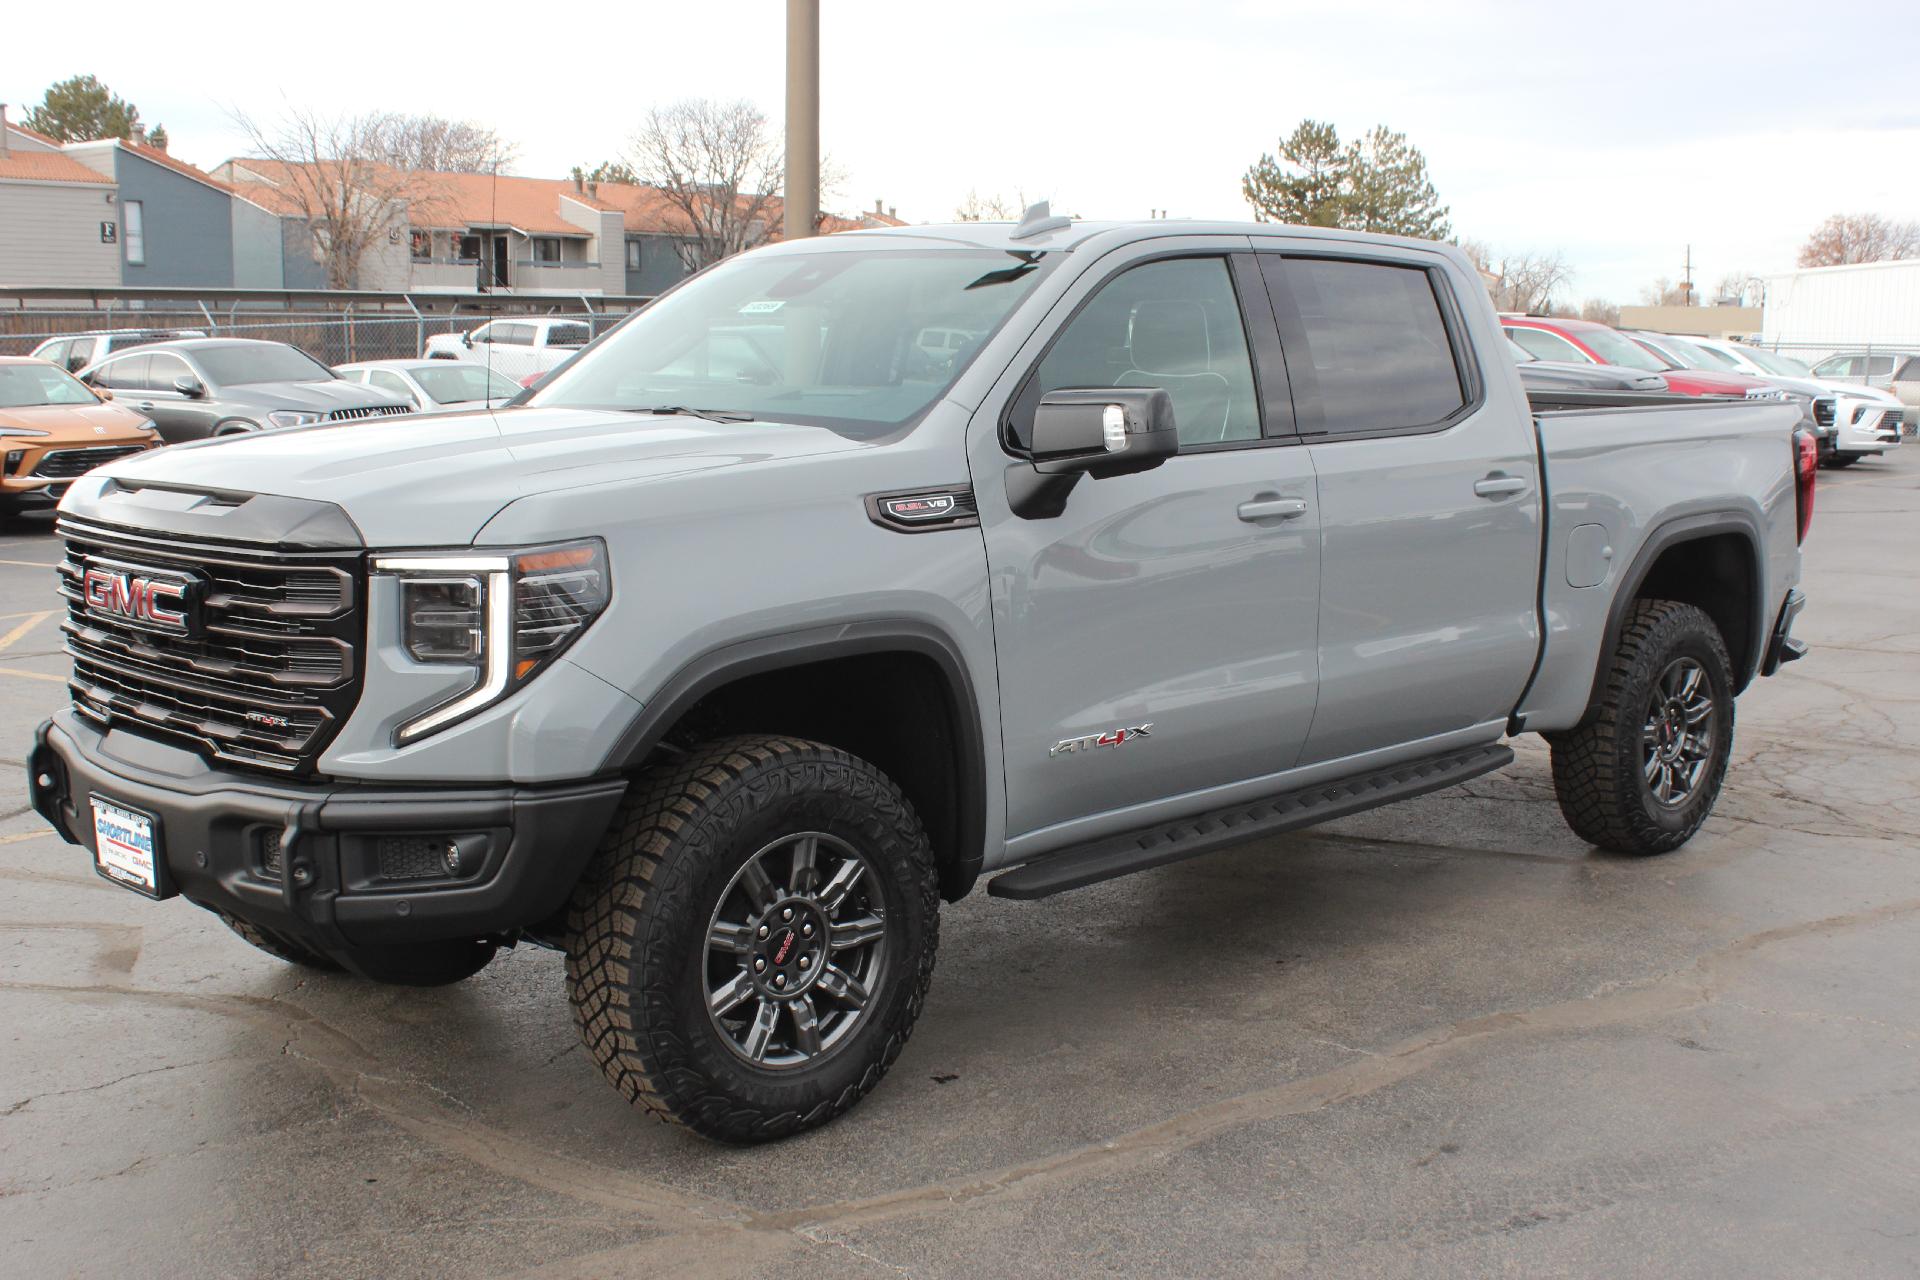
1271	509
1499	485
145	406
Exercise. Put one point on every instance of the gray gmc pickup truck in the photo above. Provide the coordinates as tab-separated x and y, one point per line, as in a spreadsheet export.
855	569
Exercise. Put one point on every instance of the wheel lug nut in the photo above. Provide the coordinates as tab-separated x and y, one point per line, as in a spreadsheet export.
763	931
779	979
759	963
806	931
787	914
806	961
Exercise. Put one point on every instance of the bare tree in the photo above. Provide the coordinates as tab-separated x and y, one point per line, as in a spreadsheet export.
1741	287
719	165
1520	282
1663	292
992	208
335	174
444	146
1600	311
1860	237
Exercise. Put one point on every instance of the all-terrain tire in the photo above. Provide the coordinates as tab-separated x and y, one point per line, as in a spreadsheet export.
1600	770
639	951
279	945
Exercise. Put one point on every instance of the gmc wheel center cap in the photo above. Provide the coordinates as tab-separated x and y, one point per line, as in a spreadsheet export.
788	959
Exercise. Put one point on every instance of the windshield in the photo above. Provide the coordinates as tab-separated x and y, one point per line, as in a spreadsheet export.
236	366
1614	348
25	386
1721	360
867	336
456	382
1785	366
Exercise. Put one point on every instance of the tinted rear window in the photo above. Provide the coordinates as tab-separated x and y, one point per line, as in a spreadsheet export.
1378	347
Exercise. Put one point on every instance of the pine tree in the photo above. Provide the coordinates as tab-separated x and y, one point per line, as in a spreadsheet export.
82	109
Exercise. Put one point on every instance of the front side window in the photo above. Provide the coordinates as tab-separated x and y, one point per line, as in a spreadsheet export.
1909	372
515	335
390	382
24	386
1879	366
823	337
1838	367
1377	345
135	217
164	369
1172	324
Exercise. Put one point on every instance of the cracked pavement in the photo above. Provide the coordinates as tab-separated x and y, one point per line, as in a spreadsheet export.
1440	1037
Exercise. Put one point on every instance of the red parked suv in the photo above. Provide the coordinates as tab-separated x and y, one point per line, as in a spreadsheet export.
1588	342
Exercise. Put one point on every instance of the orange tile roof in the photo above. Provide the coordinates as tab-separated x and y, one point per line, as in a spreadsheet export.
47	166
450	199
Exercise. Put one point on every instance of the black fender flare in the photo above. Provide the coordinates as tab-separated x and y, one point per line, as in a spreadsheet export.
1663	538
727	663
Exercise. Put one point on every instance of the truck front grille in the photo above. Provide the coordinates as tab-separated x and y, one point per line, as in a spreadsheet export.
370	411
66	464
262	674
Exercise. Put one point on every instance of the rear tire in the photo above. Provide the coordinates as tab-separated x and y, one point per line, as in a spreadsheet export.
1643	774
754	941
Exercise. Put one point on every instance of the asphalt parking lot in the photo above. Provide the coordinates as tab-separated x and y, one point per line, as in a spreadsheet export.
1444	1037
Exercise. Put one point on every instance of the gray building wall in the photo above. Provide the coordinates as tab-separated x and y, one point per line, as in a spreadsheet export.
50	234
257	248
660	266
189	226
298	265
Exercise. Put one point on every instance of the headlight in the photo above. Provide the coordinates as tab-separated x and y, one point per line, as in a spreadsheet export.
20	431
144	425
294	417
505	616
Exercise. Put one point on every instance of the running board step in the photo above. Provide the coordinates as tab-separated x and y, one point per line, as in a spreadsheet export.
1290	810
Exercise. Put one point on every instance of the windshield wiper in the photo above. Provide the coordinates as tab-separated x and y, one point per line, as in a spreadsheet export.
711	415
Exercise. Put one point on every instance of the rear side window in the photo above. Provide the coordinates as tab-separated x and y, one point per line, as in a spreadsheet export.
1173	324
1377	347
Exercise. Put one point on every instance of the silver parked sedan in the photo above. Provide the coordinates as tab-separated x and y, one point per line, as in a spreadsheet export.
435	386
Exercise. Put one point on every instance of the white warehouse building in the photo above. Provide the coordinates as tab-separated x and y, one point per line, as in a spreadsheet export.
1869	303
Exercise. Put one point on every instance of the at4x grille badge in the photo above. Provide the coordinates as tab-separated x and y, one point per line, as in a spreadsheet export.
1112	738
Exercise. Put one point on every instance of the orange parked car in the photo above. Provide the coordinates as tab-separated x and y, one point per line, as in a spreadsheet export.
53	428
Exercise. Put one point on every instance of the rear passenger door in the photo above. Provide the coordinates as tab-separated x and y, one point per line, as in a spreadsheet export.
1180	601
1429	502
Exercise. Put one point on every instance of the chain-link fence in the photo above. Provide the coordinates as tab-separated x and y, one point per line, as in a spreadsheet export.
331	336
1879	359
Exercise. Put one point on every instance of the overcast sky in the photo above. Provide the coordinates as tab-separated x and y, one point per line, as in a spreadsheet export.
1618	132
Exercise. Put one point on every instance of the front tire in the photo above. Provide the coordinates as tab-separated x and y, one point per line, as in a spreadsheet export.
750	950
1643	774
1840	460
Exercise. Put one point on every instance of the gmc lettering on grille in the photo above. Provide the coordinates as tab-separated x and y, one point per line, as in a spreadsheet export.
157	601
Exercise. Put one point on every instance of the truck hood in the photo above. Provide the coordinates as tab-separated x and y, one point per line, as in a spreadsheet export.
434	480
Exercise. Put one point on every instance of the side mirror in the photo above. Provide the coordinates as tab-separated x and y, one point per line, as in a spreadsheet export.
189	386
1090	431
466	337
102	392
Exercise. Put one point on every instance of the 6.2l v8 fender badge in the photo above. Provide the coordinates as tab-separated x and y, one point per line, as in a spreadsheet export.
1112	738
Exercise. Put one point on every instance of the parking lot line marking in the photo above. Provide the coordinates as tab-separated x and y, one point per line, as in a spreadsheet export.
32	564
25	835
31	675
33	620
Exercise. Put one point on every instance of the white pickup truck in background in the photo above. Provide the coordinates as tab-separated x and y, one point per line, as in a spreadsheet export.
521	349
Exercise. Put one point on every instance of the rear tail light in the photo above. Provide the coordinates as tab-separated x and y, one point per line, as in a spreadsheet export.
1806	465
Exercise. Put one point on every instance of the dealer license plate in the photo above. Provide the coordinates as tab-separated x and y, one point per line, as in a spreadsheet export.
126	848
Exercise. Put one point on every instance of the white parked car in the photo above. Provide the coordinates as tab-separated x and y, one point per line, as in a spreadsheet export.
75	351
522	349
1866	419
435	386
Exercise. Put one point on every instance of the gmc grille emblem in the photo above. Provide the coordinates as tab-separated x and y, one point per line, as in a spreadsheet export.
163	602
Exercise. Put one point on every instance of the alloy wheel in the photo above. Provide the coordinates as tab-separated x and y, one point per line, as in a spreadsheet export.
1676	742
796	950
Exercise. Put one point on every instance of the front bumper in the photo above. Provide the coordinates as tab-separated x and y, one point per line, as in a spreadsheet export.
338	866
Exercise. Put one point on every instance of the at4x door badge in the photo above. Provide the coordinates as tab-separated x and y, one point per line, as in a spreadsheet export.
1111	738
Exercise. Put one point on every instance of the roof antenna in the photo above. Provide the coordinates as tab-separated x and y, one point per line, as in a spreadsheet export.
1038	221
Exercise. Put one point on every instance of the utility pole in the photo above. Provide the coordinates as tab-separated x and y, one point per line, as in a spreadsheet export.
1686	280
803	118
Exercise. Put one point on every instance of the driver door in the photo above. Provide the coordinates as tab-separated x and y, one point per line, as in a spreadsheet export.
1156	636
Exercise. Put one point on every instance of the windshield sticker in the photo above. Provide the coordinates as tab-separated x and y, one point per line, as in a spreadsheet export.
762	307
